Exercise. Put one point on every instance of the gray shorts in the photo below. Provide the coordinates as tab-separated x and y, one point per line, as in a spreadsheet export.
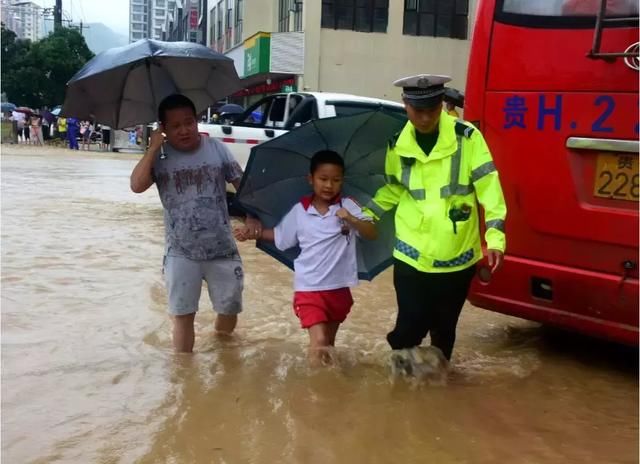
184	276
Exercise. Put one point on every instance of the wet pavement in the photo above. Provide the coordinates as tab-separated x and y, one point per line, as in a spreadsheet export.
88	374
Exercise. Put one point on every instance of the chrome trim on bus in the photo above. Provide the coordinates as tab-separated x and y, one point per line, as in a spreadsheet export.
587	143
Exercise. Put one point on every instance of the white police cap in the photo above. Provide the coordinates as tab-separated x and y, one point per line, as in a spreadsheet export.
423	90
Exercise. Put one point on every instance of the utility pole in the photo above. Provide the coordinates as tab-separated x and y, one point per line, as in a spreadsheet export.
57	16
80	27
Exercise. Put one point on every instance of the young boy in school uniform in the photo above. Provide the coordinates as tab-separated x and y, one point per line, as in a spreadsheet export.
325	226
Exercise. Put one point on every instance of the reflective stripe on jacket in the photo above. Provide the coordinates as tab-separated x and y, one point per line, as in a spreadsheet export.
434	192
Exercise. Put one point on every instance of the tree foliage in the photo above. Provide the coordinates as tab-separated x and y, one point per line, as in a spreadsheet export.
35	74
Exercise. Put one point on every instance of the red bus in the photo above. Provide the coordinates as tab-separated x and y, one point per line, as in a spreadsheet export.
553	85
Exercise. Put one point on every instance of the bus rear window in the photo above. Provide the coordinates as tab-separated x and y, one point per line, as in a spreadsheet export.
570	7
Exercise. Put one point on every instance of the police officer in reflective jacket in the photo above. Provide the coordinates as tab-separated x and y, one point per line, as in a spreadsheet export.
439	171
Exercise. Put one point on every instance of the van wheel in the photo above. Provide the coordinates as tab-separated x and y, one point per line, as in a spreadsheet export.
234	211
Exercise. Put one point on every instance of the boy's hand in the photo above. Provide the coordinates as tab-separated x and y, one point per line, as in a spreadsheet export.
345	215
241	234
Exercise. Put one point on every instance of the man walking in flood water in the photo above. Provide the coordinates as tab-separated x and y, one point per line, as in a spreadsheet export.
191	173
439	168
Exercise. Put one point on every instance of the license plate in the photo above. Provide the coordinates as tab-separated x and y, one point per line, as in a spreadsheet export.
616	177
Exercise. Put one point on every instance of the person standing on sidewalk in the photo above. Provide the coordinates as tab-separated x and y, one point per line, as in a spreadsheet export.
36	129
72	133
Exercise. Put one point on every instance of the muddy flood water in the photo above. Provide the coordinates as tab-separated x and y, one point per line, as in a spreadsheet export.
88	373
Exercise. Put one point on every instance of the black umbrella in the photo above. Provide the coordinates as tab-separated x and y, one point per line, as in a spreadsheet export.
276	176
123	86
231	108
454	96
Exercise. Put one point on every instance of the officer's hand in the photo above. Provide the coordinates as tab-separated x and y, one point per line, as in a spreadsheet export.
496	258
157	139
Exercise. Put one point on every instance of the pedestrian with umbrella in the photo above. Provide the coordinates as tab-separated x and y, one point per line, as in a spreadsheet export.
172	82
7	107
306	187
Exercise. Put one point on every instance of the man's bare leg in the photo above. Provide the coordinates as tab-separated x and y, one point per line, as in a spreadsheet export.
184	333
225	323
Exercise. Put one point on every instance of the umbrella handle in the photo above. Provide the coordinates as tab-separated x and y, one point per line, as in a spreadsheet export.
155	126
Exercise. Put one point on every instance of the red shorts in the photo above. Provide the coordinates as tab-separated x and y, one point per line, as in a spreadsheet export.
322	306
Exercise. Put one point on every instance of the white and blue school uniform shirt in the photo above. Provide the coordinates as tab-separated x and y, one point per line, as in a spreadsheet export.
327	258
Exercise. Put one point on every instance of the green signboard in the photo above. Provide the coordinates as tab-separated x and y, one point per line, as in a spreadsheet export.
257	54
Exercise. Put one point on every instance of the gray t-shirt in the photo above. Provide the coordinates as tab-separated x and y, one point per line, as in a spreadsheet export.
192	187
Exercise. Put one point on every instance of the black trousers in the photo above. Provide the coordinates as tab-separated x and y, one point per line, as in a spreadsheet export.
428	303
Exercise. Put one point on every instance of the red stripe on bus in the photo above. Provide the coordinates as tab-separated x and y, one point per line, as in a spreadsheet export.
253	141
228	140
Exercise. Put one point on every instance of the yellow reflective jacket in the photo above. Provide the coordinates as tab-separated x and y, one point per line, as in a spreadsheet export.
437	226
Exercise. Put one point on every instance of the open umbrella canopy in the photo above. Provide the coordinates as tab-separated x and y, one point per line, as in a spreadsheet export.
276	176
24	109
6	107
123	86
454	96
56	111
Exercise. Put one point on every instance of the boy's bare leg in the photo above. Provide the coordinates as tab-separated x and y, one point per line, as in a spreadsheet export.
184	333
333	330
319	341
225	323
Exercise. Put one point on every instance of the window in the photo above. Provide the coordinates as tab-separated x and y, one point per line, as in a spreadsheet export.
237	30
436	18
304	110
569	8
290	10
356	15
160	3
228	32
349	108
256	114
276	113
136	17
219	25
212	27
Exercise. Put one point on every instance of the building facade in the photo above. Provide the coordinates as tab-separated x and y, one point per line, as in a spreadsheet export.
185	21
150	19
275	42
26	19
